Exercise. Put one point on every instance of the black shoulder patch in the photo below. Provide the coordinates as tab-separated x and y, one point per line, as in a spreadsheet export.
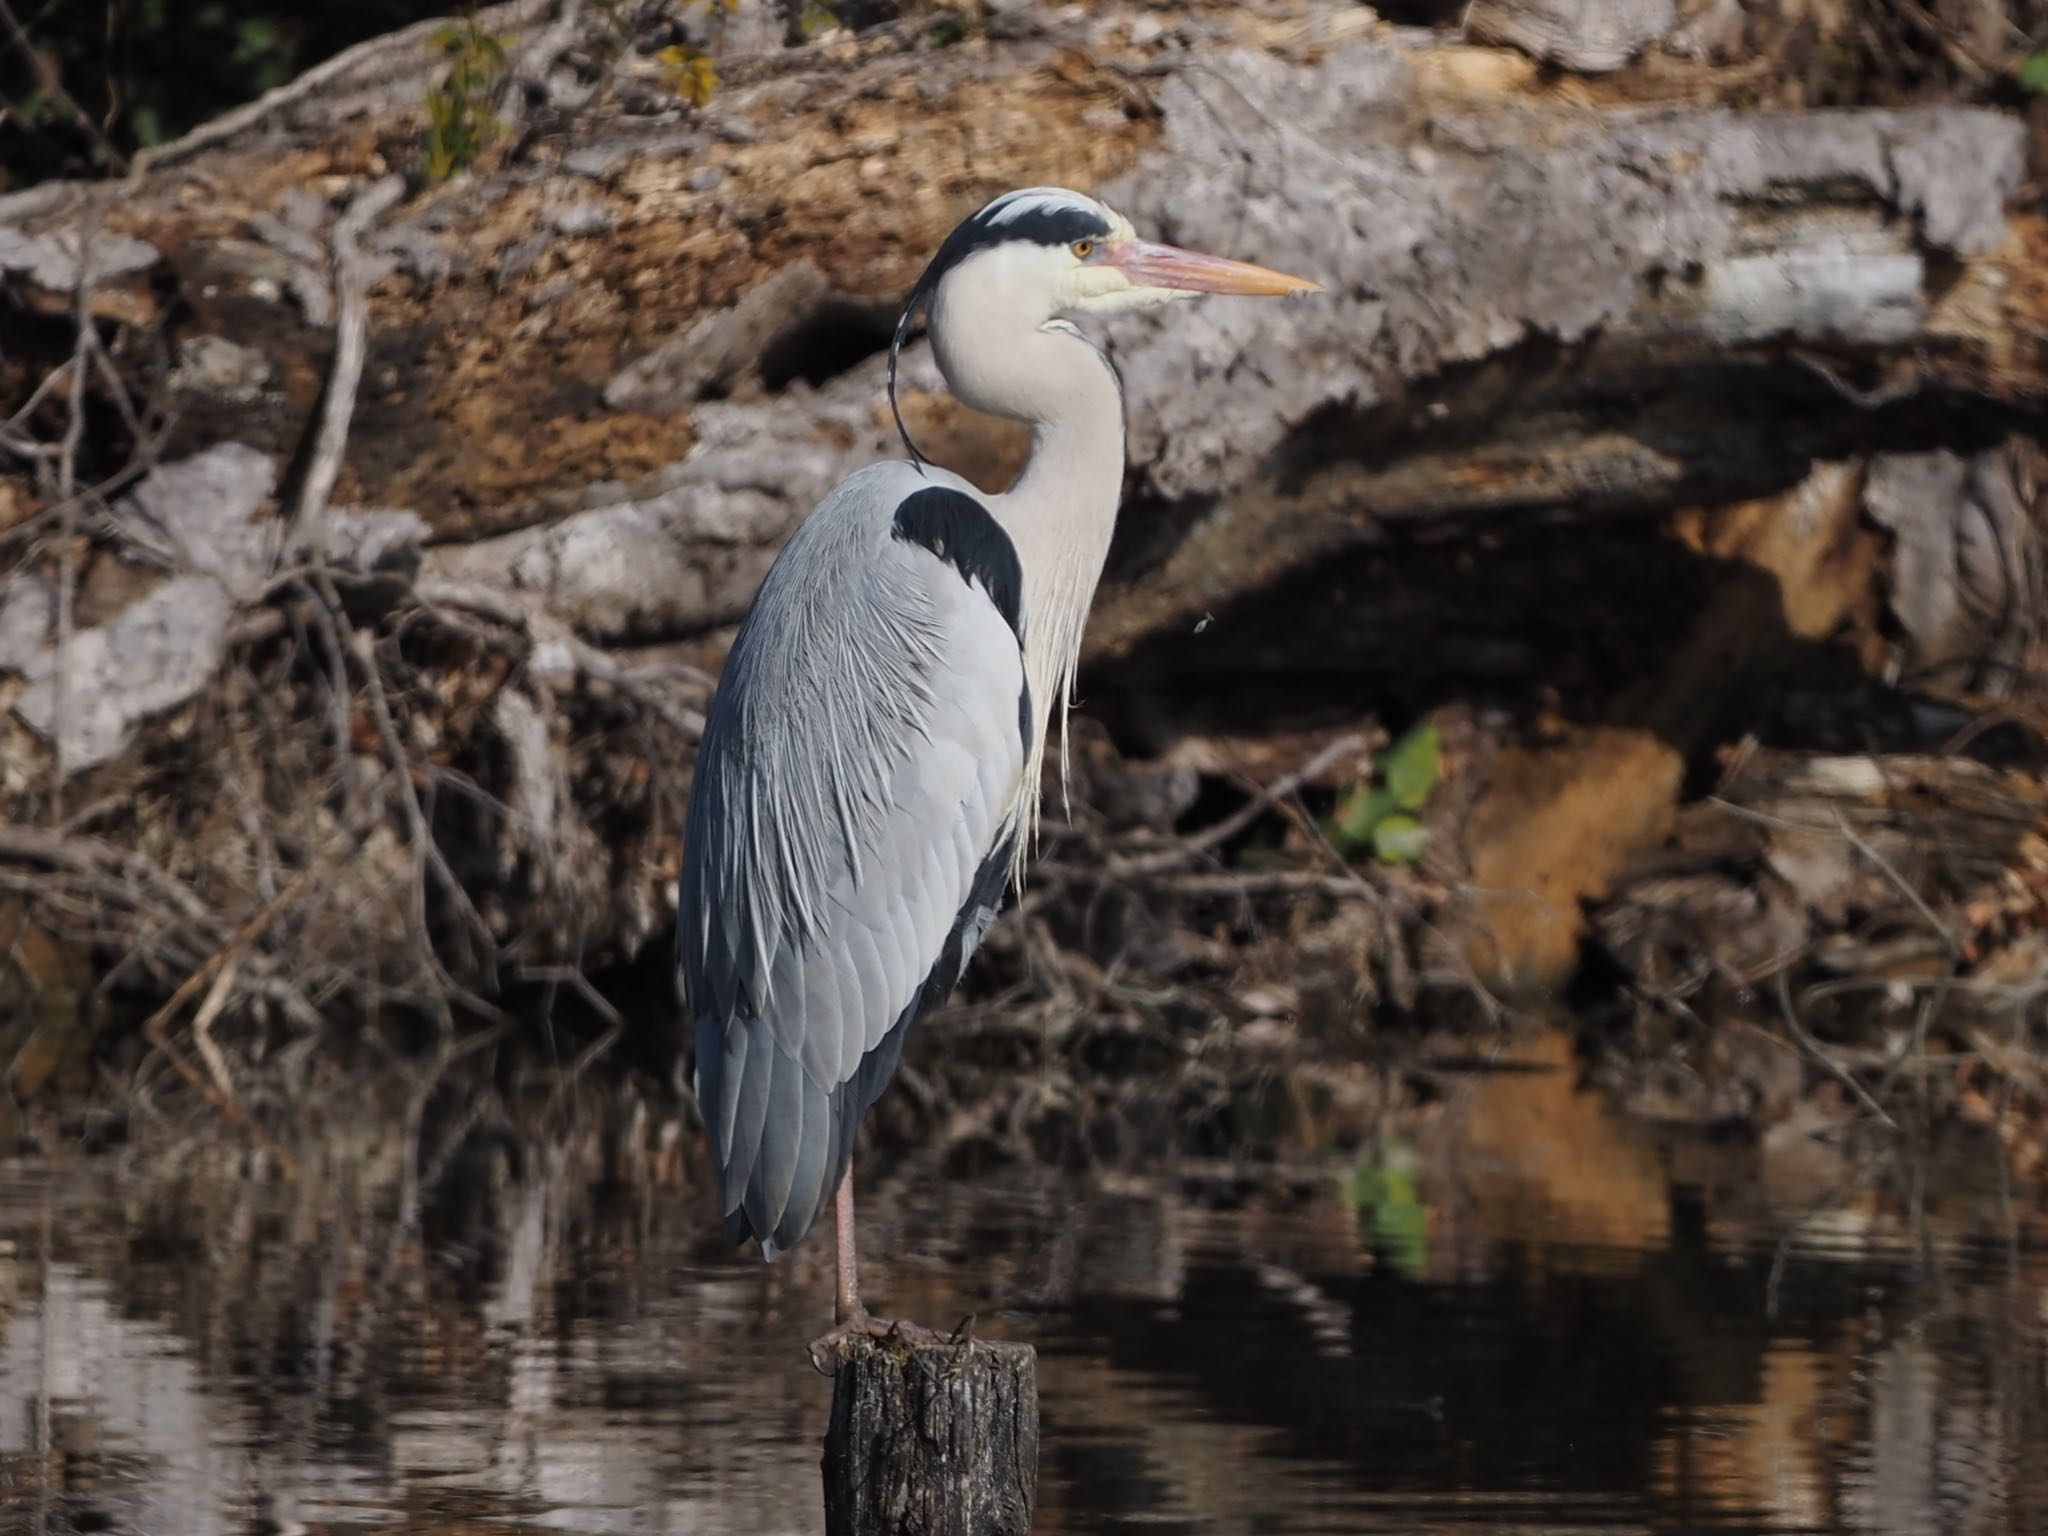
984	900
960	531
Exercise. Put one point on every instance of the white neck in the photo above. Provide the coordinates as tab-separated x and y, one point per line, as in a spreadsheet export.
1062	510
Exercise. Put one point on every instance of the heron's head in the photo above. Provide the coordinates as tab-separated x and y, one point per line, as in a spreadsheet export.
1044	254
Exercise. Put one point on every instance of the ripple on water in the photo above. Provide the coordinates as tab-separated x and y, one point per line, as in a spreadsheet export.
1523	1314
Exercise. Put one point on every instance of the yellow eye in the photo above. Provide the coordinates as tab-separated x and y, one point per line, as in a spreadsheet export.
1082	249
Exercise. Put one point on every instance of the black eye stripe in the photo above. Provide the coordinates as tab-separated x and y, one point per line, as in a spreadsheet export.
1057	225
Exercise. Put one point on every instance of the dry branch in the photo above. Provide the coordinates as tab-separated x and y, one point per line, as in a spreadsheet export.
351	343
398	65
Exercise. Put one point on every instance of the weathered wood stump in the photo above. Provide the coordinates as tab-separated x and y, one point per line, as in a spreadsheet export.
940	1440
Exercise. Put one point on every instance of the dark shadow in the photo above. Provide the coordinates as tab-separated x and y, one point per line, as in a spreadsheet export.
834	337
1424	13
1540	616
1578	608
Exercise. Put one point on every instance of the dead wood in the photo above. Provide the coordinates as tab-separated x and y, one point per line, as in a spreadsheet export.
940	1439
348	505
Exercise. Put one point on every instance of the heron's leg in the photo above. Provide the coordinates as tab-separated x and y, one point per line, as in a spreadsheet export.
850	1319
846	1307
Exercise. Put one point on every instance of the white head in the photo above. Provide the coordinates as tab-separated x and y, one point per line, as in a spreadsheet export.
1036	257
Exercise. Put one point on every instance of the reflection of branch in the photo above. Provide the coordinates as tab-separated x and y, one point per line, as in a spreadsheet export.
1835	1069
1781	1255
221	967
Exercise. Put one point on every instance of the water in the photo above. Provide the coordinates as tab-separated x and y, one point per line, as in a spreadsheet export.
1520	1312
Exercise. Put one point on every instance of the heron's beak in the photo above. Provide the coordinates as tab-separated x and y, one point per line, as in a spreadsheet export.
1168	266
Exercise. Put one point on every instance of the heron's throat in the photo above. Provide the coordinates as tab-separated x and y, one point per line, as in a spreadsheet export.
1060	515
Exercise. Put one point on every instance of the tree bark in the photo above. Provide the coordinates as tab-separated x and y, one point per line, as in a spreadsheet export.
940	1440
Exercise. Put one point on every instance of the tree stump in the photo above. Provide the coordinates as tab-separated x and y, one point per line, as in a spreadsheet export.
940	1440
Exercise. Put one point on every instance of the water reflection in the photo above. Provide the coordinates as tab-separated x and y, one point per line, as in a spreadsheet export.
1521	1312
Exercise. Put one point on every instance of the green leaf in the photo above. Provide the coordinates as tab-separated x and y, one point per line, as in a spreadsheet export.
1399	839
460	121
254	39
1410	767
1365	808
2034	72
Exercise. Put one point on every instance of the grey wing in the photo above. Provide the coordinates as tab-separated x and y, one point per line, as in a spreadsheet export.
849	833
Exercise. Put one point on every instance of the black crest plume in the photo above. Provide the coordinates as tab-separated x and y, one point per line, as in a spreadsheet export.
1049	216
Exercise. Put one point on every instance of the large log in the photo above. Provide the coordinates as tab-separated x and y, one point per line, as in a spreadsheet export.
1573	338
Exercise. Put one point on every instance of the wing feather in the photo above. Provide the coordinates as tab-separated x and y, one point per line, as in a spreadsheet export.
751	1088
860	764
767	1194
808	1191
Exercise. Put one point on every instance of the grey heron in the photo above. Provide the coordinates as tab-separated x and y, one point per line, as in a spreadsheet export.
867	784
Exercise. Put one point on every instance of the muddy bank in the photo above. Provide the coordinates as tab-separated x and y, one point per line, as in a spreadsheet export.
1668	446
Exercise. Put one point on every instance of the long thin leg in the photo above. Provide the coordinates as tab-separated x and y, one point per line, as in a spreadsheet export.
849	1318
846	1308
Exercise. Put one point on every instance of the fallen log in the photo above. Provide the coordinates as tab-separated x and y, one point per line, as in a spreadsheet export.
1597	372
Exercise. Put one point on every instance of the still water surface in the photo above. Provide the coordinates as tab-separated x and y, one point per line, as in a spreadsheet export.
1520	1313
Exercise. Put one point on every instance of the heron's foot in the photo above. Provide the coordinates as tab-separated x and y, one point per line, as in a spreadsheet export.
829	1350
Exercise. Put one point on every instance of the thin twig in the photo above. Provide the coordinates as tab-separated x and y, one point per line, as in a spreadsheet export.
345	374
1258	883
573	978
61	511
406	50
49	80
428	858
210	1008
434	596
48	384
67	489
1835	1069
535	61
337	691
117	387
1898	880
222	962
1186	849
